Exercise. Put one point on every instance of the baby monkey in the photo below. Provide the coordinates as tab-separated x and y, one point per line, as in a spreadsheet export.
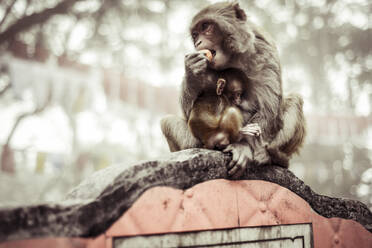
215	121
231	83
216	118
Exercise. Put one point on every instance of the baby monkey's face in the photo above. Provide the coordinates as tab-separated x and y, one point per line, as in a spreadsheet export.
218	141
234	91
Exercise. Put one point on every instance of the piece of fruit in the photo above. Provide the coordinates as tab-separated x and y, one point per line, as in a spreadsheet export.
207	53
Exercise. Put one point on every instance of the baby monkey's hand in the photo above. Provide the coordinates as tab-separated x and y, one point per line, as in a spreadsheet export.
252	129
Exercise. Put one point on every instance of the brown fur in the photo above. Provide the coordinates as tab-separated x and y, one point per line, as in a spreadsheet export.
213	116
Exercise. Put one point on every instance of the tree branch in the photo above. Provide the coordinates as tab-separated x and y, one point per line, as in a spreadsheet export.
24	115
35	18
7	11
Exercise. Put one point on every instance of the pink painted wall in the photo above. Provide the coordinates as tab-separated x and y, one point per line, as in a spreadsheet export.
214	205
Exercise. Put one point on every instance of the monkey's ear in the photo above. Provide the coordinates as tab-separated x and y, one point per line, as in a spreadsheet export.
239	12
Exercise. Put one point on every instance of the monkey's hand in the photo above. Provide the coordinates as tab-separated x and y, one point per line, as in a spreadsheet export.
252	129
195	64
241	156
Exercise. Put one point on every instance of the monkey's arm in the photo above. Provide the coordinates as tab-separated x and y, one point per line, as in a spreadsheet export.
174	128
178	134
288	139
198	78
269	100
252	149
263	70
267	91
187	98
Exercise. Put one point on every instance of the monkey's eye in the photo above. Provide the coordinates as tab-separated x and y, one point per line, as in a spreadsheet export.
205	26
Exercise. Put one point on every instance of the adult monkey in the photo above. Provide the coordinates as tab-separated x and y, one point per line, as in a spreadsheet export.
236	43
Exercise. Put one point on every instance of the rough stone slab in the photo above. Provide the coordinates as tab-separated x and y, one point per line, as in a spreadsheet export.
100	200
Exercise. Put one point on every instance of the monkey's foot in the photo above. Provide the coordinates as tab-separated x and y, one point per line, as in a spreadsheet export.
261	156
220	86
252	129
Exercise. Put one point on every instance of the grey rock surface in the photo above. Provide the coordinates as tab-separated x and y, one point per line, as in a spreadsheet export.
100	200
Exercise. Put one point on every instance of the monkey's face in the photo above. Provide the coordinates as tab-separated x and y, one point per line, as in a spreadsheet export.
207	35
218	141
222	29
234	91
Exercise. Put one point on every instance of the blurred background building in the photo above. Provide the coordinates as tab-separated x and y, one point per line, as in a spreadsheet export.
83	84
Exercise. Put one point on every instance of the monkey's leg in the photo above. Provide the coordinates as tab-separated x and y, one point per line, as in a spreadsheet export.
278	157
177	133
290	138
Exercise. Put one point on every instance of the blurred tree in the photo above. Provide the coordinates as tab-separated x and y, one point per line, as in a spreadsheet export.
324	37
26	21
324	46
7	157
4	79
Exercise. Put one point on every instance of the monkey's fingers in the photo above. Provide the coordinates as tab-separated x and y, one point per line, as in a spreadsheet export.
234	164
199	67
252	128
238	169
239	173
259	129
234	158
233	170
252	125
193	56
231	165
248	133
251	132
